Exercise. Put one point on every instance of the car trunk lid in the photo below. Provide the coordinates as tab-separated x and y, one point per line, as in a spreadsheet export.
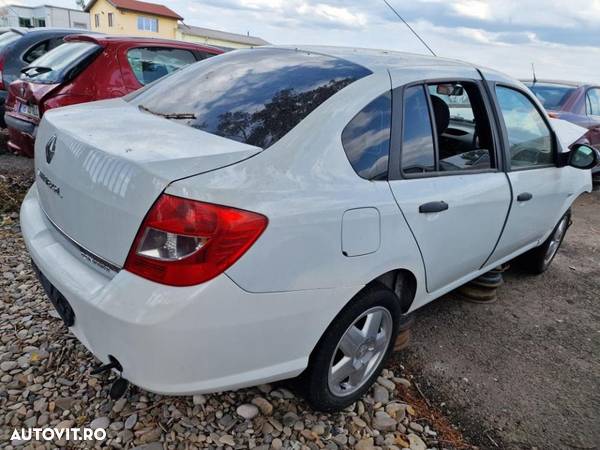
101	167
26	97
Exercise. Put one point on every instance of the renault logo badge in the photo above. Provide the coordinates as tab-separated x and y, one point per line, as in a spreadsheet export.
50	149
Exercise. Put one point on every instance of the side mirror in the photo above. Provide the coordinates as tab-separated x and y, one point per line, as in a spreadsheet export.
583	157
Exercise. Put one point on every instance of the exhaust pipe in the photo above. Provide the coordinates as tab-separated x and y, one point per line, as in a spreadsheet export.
120	385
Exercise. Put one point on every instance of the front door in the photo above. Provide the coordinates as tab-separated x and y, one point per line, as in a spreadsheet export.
539	187
450	189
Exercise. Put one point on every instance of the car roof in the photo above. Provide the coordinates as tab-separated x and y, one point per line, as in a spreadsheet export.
105	39
574	84
44	31
18	30
377	59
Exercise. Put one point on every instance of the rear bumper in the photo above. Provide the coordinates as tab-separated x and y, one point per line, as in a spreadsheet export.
205	338
21	135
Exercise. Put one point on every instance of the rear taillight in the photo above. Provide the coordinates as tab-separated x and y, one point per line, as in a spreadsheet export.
185	242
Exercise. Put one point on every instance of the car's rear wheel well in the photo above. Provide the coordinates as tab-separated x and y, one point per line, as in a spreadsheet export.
403	283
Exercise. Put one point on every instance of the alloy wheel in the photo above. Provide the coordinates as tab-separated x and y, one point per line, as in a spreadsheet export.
359	351
555	241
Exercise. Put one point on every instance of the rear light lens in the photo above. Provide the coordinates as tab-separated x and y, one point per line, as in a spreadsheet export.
185	242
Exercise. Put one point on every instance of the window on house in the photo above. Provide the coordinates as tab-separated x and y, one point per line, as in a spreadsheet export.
39	22
97	20
110	19
147	24
24	22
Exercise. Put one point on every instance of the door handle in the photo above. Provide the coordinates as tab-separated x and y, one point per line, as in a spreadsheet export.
433	207
524	197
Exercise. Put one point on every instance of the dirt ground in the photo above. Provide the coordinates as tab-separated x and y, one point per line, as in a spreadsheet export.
523	372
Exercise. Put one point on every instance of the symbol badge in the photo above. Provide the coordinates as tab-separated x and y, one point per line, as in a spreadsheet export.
50	149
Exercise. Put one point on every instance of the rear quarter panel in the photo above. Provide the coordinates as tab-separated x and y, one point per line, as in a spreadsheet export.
304	184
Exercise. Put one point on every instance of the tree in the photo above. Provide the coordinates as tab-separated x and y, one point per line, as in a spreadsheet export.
80	3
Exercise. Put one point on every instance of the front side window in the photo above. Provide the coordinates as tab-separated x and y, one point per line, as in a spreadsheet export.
366	139
150	64
147	24
418	152
529	137
593	102
255	96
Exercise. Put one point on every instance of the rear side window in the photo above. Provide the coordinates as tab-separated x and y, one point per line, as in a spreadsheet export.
366	139
418	151
150	64
62	63
254	96
35	52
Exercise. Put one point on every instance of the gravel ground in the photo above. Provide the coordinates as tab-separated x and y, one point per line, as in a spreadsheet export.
45	381
521	373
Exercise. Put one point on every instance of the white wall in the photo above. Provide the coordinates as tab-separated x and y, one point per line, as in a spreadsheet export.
54	17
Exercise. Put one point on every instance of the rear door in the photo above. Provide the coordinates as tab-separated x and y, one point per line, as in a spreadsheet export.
539	187
144	65
449	184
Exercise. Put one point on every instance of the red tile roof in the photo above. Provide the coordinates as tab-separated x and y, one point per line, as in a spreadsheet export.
144	7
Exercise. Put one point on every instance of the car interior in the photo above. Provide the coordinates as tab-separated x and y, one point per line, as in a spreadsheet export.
463	129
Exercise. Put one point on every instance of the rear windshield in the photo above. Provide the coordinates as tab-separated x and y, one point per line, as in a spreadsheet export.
61	63
552	96
253	96
8	38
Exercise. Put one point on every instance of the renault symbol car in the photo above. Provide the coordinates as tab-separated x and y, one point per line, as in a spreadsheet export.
278	212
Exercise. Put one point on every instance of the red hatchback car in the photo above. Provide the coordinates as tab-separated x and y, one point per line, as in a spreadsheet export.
87	68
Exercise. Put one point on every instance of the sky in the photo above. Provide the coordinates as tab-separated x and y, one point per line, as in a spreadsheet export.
560	37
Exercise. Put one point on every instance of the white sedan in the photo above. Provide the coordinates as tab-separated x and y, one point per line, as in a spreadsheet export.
278	212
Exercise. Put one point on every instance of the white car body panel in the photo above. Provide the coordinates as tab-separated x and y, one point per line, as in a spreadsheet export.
482	199
107	185
261	319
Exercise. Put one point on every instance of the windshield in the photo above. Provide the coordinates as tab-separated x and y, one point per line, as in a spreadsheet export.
59	63
552	96
8	38
254	96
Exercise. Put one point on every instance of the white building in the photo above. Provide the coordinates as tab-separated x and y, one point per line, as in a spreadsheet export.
43	16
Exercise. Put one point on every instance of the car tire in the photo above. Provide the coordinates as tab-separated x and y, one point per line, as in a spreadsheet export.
538	260
341	350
